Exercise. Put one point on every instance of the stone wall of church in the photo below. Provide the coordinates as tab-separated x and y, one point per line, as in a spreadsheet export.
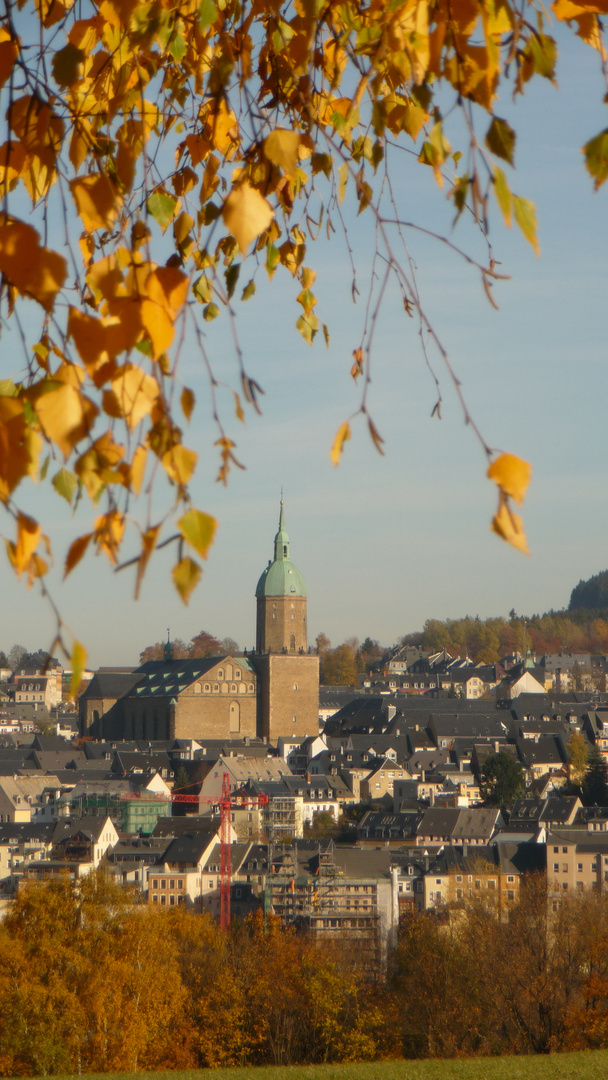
289	695
228	716
281	624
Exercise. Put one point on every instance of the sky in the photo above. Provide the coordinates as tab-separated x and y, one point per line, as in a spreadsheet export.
386	542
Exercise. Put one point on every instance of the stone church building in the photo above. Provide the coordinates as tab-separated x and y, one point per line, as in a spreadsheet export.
272	692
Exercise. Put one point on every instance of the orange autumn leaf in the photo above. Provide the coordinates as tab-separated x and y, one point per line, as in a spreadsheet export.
77	549
109	531
246	214
136	394
512	475
158	325
509	526
34	271
97	201
29	533
149	539
66	416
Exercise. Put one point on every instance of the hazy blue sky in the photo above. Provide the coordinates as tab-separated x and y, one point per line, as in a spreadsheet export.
386	542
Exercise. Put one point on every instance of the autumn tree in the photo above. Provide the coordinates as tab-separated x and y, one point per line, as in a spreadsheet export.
339	666
170	155
577	749
205	644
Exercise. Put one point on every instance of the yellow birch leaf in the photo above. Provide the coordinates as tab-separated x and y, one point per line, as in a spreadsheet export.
186	576
125	165
34	271
187	401
246	215
97	201
158	325
509	527
179	463
109	531
342	436
136	392
76	552
198	529
168	287
512	475
78	663
19	453
9	52
28	538
138	468
148	543
80	143
66	416
525	216
281	148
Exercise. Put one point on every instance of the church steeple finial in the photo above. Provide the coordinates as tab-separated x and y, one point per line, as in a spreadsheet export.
281	540
168	648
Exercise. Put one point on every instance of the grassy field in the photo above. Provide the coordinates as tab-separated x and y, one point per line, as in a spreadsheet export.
589	1065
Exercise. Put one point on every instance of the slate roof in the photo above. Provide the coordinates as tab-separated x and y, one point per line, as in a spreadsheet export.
188	823
187	849
110	684
168	678
17	832
90	825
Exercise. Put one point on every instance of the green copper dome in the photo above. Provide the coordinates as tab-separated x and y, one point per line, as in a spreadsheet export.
280	578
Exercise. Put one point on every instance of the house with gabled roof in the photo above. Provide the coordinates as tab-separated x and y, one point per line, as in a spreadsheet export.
475	825
24	798
178	876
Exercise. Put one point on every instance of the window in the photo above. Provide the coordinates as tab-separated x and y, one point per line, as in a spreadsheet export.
579	867
556	868
565	867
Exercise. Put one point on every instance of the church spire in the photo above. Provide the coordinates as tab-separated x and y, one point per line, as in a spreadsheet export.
281	540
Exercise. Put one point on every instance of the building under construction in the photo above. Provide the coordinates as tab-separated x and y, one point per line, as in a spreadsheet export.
336	893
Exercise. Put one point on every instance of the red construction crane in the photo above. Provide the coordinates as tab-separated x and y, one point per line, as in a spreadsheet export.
227	803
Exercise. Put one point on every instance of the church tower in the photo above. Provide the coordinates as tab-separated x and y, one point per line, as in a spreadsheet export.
281	601
288	684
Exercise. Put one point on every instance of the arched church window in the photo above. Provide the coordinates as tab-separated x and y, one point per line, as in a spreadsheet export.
235	717
292	642
228	672
220	673
250	688
197	688
206	687
237	673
